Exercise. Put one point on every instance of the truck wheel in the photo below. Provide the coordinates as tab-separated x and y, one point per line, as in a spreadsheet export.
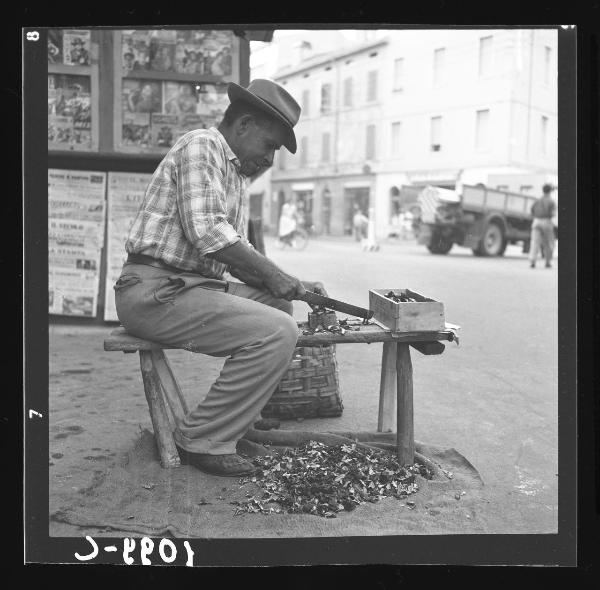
493	242
439	244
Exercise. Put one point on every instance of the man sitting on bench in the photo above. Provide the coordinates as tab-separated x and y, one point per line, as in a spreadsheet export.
190	229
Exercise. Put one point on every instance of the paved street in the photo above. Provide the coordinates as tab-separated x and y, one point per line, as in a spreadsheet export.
493	398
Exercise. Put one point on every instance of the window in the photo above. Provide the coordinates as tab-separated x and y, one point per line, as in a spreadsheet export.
325	98
547	62
485	56
438	66
482	130
370	144
436	134
544	135
372	86
398	73
325	147
348	84
396	130
303	151
305	102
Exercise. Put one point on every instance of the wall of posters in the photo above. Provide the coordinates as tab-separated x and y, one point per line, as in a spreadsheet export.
155	114
125	193
76	214
69	111
185	52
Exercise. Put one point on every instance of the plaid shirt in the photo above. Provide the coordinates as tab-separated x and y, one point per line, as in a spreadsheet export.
195	204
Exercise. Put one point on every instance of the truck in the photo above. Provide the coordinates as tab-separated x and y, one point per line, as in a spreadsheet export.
485	220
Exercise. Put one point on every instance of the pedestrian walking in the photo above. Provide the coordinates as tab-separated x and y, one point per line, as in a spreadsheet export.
191	229
288	221
360	223
542	228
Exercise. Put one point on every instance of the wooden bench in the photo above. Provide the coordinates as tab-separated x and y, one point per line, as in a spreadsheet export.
395	393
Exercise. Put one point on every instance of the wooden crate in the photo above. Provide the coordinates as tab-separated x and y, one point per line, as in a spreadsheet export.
423	315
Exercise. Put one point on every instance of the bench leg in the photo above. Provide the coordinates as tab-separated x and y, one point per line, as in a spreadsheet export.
170	387
169	457
404	417
387	388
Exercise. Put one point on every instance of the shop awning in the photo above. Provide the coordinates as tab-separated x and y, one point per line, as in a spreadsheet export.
303	186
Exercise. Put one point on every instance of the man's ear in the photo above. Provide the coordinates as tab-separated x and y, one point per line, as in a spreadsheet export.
244	123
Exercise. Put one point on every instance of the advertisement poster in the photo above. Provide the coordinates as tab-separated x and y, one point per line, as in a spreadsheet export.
191	122
125	193
76	213
55	44
204	52
135	49
217	49
162	51
72	292
76	234
179	98
69	110
141	96
189	56
164	130
212	100
136	129
76	47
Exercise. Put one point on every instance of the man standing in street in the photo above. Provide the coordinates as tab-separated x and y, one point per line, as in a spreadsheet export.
542	228
189	231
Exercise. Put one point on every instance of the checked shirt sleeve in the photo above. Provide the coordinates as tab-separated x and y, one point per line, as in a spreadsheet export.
202	196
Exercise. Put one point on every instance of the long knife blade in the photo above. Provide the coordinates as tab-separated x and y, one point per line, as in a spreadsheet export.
315	299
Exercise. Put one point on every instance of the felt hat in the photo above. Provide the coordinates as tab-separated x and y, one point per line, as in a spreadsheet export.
273	99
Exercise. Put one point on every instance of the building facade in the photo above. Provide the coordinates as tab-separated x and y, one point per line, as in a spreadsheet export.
411	108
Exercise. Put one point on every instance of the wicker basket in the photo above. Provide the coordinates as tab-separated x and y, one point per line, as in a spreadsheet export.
310	388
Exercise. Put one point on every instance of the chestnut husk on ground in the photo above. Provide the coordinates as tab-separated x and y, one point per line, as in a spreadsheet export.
323	480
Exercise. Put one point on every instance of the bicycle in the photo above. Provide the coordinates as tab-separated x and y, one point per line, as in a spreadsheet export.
298	240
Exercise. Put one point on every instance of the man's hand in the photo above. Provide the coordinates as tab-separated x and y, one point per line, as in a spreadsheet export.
316	287
284	286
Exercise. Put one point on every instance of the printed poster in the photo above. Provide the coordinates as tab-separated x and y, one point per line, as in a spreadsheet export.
189	57
76	47
164	130
162	51
179	98
135	49
76	214
212	100
125	194
55	44
72	292
69	111
204	52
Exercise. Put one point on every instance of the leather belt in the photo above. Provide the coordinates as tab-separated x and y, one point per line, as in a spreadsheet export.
149	261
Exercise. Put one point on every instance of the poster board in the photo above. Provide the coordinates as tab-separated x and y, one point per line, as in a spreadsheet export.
168	83
73	90
76	214
125	193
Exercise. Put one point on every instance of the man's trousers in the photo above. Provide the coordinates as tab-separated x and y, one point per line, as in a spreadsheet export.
254	330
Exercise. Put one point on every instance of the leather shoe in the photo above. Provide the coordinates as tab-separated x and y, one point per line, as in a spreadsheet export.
267	424
231	465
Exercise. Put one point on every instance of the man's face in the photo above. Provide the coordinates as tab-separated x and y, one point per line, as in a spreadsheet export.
257	144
